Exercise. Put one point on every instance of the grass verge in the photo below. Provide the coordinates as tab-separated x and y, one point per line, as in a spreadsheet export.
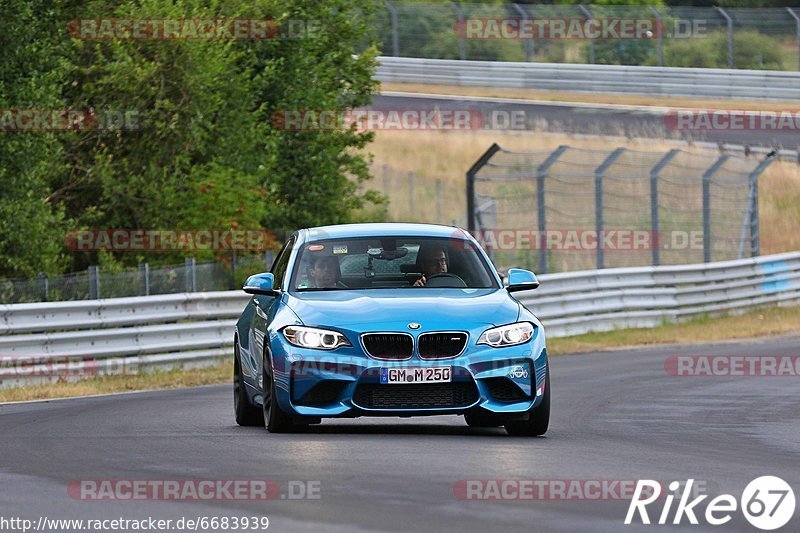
757	323
591	98
172	379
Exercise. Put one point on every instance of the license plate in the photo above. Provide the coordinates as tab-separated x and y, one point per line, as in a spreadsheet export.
390	376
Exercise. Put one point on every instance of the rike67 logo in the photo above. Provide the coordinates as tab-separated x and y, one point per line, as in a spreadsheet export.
767	502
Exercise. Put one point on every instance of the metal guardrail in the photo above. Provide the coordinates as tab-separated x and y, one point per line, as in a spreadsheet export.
44	342
614	79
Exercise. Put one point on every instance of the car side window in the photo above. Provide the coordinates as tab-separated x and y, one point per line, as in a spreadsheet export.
282	262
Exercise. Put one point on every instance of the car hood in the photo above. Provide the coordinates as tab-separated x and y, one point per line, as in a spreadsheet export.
394	309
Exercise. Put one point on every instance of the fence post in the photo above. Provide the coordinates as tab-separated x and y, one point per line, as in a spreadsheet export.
541	206
796	18
598	202
471	173
707	175
395	30
190	270
589	15
729	20
755	229
655	224
144	279
660	36
44	284
438	201
462	44
410	193
527	44
94	283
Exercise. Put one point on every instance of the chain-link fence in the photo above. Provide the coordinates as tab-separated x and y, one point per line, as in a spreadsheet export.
145	280
763	38
576	209
417	198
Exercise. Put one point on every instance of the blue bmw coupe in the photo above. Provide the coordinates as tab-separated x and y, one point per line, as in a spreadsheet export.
389	320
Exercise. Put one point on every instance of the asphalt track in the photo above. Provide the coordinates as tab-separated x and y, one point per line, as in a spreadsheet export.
616	416
587	119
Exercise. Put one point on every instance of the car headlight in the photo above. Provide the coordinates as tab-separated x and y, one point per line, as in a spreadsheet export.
320	339
509	335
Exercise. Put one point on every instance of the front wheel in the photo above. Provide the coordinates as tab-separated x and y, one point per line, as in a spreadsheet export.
539	419
246	413
274	419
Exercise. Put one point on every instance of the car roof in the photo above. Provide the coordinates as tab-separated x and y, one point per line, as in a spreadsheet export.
381	229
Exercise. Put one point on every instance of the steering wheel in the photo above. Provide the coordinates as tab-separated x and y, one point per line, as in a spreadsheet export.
445	279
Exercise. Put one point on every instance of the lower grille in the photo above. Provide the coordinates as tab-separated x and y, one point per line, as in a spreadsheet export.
418	396
441	345
323	393
388	345
503	390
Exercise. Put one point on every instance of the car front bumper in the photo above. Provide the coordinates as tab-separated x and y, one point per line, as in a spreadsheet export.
346	382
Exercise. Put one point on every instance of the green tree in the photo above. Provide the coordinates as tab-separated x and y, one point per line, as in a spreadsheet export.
31	239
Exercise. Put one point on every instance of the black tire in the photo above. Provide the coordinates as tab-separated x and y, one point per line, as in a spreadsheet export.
273	418
539	418
475	420
246	413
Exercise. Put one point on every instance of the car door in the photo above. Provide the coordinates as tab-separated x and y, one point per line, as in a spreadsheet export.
264	308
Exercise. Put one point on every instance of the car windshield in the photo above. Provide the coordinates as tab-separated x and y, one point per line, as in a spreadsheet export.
390	262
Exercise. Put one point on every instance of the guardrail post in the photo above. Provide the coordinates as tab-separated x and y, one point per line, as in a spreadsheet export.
598	202
541	205
144	279
660	36
395	30
527	44
589	15
471	173
94	283
44	285
190	270
729	20
655	225
462	43
707	175
796	18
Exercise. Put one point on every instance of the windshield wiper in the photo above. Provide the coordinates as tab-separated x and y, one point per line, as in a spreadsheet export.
319	289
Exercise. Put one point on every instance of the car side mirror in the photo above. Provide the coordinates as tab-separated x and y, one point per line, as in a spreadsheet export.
521	280
261	284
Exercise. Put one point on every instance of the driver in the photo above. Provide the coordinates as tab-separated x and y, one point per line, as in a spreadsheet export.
324	272
432	261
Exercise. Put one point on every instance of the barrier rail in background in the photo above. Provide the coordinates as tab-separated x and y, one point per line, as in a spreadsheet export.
45	342
613	79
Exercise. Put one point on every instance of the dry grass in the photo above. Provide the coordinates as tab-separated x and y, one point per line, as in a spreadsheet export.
758	323
173	379
446	156
590	98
